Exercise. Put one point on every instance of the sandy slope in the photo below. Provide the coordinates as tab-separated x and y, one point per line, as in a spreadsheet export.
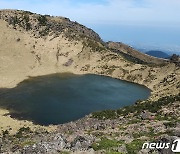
13	125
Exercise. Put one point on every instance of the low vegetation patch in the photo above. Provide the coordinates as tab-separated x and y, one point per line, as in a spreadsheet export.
151	106
42	20
106	144
134	147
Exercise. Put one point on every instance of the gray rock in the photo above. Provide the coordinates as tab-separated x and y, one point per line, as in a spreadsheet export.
59	142
144	115
122	149
146	151
82	143
168	139
176	131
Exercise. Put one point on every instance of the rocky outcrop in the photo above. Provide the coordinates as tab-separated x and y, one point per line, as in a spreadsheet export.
43	25
175	59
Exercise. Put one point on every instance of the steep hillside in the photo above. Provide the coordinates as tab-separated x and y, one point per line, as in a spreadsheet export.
143	58
44	25
33	44
69	46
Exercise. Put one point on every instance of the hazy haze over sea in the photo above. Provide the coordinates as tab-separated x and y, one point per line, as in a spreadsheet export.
142	37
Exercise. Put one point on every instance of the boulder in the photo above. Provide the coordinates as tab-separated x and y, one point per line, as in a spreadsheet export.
82	143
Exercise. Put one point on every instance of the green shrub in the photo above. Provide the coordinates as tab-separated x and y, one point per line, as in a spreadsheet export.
134	147
23	131
137	108
26	18
106	144
27	143
106	114
42	20
5	133
170	124
15	20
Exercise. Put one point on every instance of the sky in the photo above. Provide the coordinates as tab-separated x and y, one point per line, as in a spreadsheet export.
136	22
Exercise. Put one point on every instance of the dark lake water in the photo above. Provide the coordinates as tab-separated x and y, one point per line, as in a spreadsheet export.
60	98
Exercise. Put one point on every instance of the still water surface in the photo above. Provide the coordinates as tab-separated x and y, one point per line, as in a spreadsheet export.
60	98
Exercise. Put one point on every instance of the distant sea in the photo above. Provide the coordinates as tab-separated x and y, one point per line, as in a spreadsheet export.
146	38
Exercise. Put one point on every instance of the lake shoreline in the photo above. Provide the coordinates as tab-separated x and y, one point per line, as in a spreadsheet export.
104	89
17	123
18	80
13	124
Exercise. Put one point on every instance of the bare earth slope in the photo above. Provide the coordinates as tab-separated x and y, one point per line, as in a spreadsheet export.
32	45
69	46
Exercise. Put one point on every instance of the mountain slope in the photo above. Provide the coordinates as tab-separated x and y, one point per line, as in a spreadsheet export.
74	48
32	45
118	46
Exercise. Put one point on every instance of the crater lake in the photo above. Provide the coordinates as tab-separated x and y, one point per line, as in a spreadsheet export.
60	98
